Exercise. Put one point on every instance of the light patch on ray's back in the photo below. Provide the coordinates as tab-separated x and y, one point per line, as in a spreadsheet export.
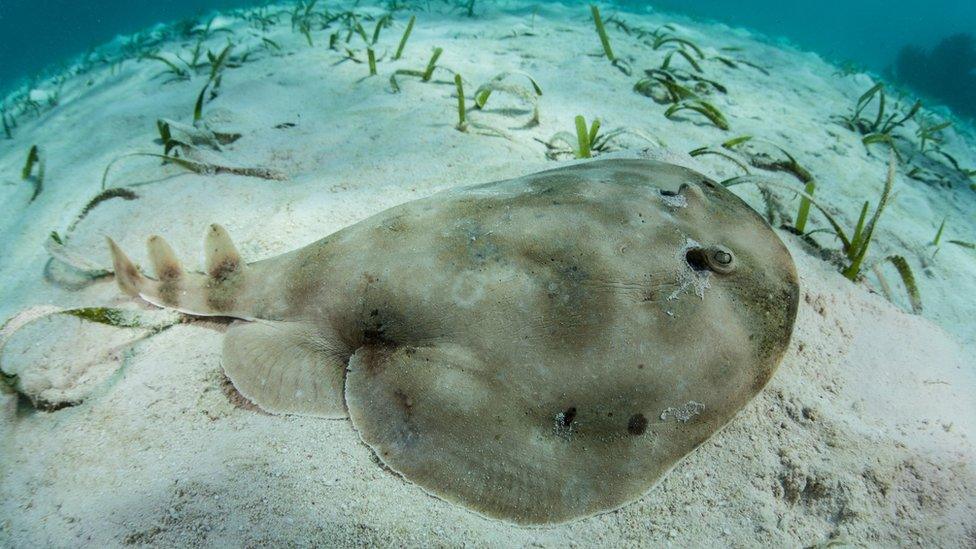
684	412
467	292
677	200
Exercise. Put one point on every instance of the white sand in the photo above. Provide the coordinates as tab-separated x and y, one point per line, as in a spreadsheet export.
864	435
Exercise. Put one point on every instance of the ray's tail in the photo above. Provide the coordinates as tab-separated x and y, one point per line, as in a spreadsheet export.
222	290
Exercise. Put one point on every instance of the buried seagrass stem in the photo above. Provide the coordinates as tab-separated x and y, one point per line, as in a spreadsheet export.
462	124
406	36
602	32
35	158
201	168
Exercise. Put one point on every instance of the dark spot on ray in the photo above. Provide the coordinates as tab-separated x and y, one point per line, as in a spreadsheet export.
376	335
373	330
170	272
222	291
665	192
224	269
169	291
637	424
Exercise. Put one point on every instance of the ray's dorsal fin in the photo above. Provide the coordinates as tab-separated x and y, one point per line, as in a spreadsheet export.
220	291
127	275
222	258
164	261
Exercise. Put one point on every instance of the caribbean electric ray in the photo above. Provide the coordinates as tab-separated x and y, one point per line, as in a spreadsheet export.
538	349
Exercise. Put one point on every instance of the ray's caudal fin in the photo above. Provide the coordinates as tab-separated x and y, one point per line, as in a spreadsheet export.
217	292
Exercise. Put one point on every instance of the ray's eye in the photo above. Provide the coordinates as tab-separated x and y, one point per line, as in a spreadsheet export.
718	259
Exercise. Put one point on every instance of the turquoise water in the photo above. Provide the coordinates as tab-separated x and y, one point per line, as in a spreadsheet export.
38	33
864	33
869	32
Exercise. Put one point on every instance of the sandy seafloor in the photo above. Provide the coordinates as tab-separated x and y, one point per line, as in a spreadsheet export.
863	437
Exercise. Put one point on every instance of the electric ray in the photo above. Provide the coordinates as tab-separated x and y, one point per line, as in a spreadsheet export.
537	349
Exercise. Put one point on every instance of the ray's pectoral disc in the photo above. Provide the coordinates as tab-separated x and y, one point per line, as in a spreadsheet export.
538	349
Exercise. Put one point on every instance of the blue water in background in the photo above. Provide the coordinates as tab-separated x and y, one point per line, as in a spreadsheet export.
35	34
38	33
867	32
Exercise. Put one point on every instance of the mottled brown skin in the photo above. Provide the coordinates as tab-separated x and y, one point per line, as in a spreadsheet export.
538	349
